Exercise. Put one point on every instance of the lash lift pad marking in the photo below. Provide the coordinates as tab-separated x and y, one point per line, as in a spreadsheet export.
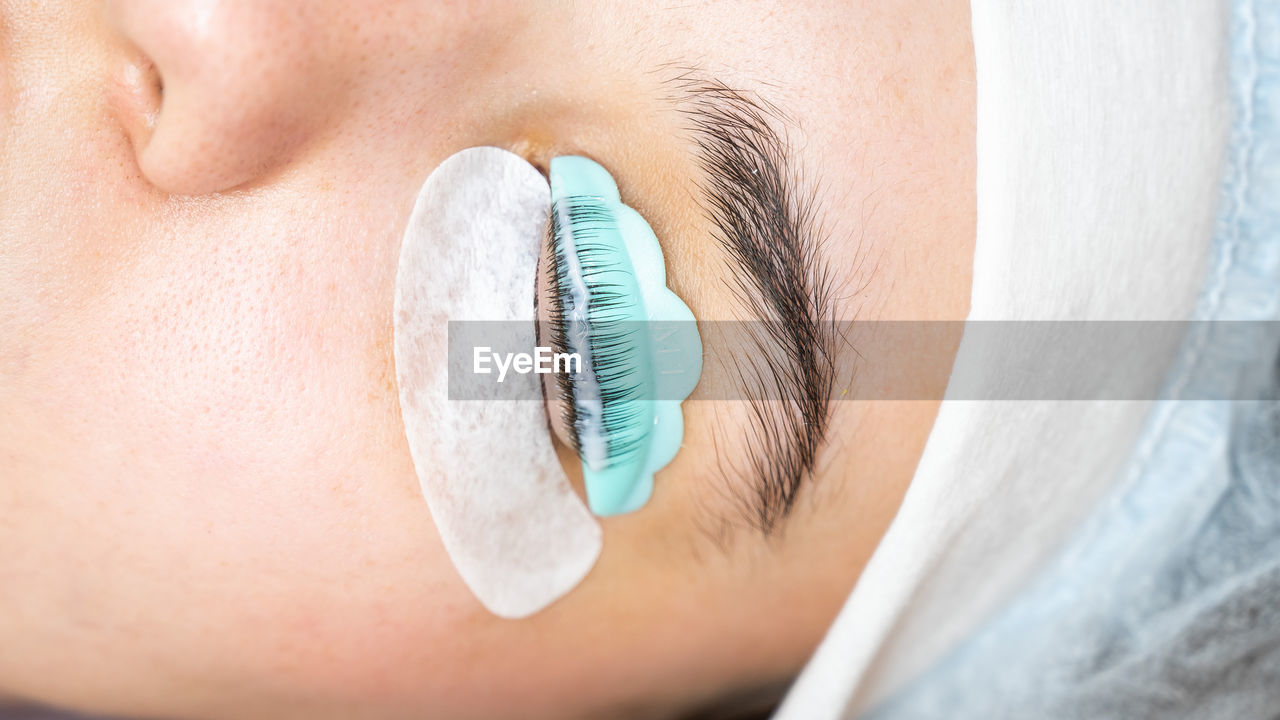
508	517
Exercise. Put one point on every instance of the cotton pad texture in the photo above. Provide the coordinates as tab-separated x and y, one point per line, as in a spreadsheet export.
513	527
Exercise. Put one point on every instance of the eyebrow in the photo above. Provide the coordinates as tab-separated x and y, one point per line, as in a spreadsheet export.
771	232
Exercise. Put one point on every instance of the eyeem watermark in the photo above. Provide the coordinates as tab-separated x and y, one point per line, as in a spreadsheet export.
862	360
542	361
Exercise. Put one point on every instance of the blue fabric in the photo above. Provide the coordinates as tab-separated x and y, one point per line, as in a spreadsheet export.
1166	603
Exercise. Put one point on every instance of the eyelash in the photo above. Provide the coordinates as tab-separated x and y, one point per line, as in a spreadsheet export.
609	356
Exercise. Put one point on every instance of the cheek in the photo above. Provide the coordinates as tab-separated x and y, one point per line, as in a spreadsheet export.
211	439
257	372
238	339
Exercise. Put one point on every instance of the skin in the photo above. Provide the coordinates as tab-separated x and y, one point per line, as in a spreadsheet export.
207	504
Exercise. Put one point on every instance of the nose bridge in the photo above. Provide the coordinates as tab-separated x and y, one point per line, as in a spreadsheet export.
241	82
172	33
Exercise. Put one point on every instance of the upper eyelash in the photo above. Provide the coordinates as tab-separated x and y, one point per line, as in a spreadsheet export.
608	341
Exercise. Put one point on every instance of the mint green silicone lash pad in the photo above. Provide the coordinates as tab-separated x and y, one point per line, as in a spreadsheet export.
641	351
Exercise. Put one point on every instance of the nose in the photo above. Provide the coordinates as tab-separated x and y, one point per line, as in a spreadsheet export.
240	86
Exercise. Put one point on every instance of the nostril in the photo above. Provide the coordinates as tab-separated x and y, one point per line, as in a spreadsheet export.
157	84
139	98
237	89
150	88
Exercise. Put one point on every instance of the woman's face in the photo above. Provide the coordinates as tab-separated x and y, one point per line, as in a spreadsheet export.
207	503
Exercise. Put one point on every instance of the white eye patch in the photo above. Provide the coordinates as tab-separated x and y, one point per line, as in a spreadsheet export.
510	521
